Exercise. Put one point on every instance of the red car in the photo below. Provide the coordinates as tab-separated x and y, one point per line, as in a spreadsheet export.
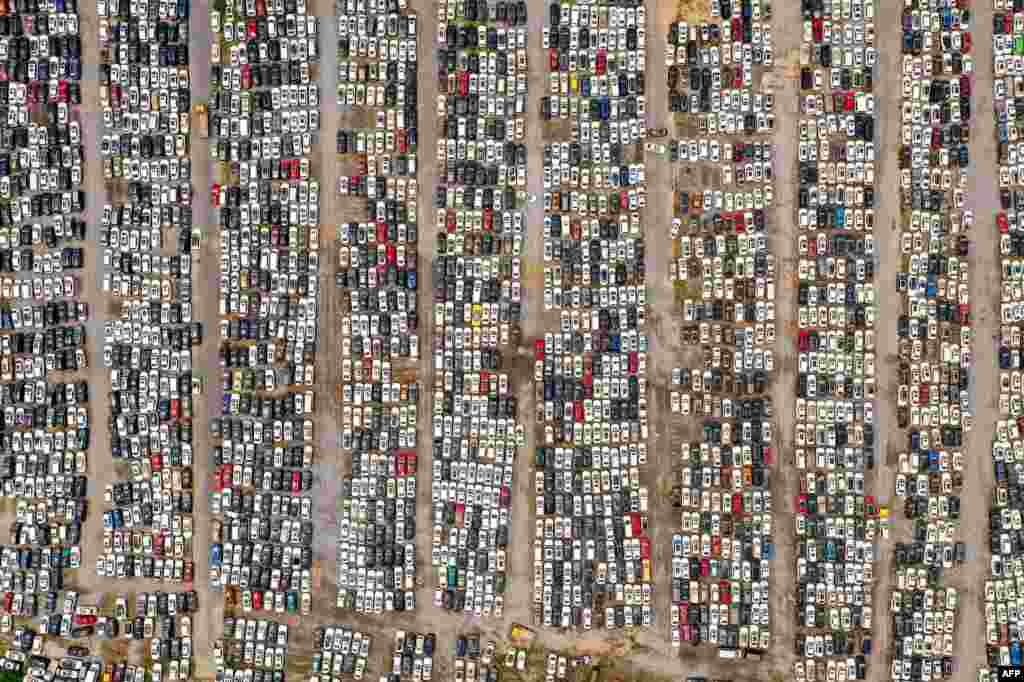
1002	223
725	592
296	482
578	411
538	349
553	59
801	504
803	341
257	600
85	620
737	503
966	42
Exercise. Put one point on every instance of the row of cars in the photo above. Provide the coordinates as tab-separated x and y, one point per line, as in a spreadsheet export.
76	666
1004	620
144	143
723	273
264	119
476	664
934	329
591	551
46	420
835	434
480	227
377	277
252	649
165	619
340	651
924	621
413	657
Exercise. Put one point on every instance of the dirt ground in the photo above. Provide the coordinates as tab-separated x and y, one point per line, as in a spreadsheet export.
648	651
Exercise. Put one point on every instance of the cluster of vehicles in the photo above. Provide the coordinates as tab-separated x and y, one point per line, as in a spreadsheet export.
835	435
264	123
473	664
149	531
45	431
123	671
40	668
480	227
163	618
413	657
714	71
144	143
340	651
592	553
559	668
377	532
378	275
720	557
934	329
1004	619
252	650
49	514
924	621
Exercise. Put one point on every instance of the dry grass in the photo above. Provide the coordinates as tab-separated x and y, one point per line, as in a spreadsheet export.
692	11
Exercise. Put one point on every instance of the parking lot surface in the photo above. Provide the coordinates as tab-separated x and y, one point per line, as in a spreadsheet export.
401	576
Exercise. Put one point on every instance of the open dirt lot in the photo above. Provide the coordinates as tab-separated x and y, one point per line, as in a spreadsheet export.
648	651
